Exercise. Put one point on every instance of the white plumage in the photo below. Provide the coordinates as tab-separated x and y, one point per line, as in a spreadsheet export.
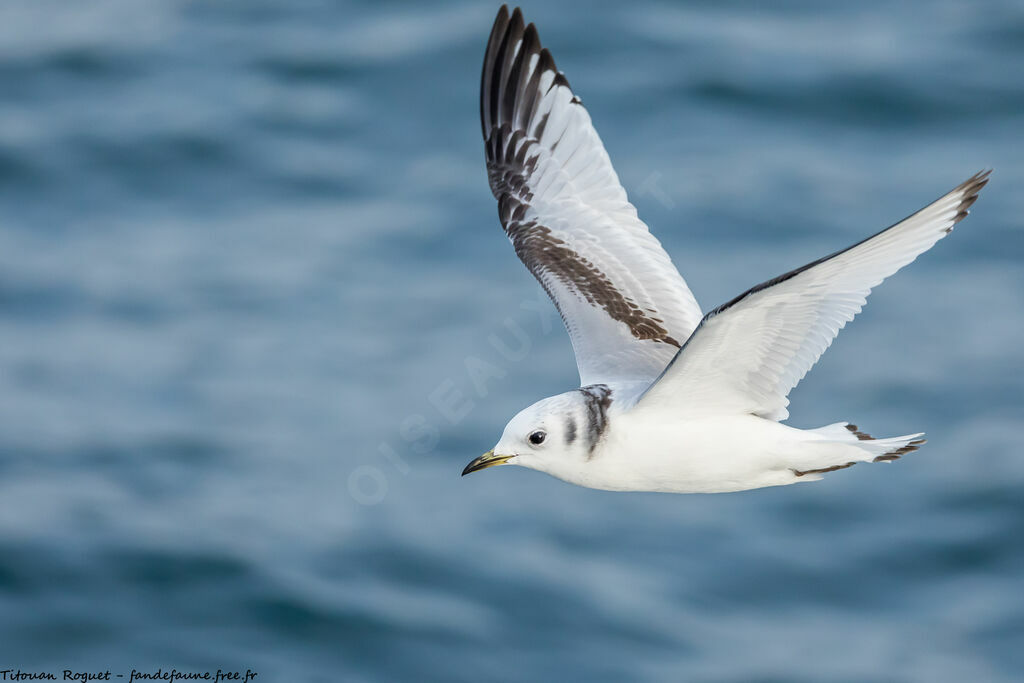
555	182
669	401
748	354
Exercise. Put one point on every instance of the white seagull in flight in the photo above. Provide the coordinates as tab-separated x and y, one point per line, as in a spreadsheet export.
670	399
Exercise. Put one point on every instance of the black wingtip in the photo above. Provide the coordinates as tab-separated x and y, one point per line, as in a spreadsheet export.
530	38
970	189
500	21
516	21
973	185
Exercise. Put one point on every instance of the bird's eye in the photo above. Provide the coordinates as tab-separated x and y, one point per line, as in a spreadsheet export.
537	437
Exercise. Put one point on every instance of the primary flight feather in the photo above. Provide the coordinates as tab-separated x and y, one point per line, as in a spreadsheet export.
670	399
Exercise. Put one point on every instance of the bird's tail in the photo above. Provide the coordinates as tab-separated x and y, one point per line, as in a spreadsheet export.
841	445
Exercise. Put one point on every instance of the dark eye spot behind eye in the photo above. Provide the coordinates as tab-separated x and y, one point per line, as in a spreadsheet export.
537	438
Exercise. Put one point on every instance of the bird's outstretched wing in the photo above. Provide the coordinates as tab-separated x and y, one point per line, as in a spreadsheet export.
625	305
748	354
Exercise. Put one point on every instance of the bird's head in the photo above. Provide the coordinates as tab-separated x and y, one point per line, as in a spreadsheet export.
555	435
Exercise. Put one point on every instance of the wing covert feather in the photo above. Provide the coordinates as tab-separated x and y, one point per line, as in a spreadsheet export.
748	354
625	306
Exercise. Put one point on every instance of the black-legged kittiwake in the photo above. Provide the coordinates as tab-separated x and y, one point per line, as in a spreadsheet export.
671	399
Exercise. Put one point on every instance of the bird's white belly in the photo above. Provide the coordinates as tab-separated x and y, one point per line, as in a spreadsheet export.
707	455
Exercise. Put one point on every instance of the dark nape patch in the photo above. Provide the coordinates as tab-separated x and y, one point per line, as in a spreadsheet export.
597	398
570	431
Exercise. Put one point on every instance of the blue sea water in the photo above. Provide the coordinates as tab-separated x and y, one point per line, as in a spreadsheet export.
253	293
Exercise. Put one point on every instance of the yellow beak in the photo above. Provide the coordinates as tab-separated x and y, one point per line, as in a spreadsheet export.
488	459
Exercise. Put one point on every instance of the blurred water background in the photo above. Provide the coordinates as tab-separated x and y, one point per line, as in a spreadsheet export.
248	255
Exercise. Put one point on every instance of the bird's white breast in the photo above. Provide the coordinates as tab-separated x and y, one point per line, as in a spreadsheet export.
652	452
